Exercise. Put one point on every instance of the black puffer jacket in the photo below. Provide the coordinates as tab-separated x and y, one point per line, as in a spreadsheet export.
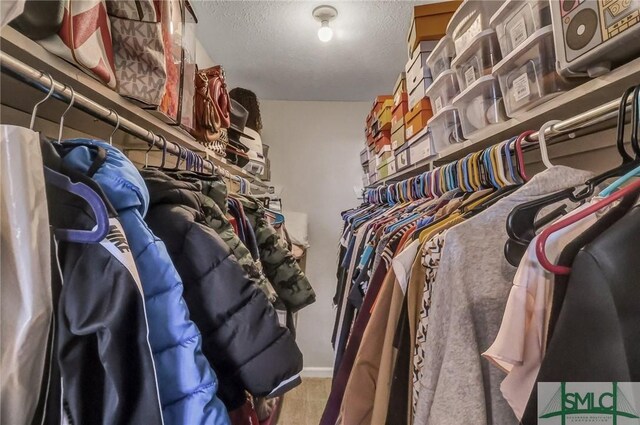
240	331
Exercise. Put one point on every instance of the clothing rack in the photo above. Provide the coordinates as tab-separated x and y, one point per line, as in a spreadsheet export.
589	118
63	92
592	117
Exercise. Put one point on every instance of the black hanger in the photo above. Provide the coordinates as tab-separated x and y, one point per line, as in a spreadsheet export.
521	222
628	163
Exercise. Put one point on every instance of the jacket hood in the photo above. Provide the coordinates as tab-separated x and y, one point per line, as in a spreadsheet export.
114	172
164	189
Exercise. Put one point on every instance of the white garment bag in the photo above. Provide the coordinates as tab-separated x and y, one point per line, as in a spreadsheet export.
25	274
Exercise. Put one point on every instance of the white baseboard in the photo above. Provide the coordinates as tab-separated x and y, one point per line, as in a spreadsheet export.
317	372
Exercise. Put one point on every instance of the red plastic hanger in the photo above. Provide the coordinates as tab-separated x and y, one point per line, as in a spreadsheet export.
520	155
544	236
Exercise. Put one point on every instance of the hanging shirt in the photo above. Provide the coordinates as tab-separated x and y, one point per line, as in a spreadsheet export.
471	290
521	341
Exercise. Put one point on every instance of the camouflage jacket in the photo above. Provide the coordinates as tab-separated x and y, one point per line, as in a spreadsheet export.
216	219
279	264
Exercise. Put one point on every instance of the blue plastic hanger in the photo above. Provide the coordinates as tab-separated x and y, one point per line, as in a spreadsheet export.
92	198
510	166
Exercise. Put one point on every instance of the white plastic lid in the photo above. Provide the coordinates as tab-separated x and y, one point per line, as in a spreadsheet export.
475	87
507	7
437	82
446	110
524	47
440	46
472	47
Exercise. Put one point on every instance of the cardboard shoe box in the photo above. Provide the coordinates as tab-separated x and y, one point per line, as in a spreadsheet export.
429	22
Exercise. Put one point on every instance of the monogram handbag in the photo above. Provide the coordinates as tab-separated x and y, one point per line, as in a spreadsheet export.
211	105
138	49
84	39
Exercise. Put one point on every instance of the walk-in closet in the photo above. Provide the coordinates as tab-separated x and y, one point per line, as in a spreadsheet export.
252	212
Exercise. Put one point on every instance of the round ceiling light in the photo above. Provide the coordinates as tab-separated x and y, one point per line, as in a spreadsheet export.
325	14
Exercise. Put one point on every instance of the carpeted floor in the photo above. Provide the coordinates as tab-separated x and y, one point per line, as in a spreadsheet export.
304	404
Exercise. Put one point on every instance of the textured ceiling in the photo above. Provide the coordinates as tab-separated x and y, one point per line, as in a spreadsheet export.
272	47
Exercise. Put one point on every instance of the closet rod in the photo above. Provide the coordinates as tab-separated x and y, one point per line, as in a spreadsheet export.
591	117
41	81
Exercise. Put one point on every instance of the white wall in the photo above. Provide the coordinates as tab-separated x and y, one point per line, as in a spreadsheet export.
314	154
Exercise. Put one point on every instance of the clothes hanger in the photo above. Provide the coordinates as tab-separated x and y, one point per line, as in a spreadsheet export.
71	102
634	142
34	112
635	121
116	127
94	200
513	173
520	155
546	233
522	225
543	142
500	170
628	163
146	154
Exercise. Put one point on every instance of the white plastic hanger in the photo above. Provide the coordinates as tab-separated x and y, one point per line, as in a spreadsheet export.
543	143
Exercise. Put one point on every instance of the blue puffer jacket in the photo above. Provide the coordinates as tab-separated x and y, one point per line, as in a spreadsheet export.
186	382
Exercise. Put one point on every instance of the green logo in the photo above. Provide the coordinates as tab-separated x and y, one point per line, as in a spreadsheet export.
587	403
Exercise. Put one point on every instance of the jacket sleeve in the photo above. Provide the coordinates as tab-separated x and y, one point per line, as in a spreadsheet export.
281	268
241	335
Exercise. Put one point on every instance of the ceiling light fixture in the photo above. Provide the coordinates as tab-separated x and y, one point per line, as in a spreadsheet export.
325	14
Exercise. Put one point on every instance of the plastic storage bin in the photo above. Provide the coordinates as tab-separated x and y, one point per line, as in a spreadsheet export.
443	90
439	60
480	105
446	128
528	75
478	59
517	20
471	18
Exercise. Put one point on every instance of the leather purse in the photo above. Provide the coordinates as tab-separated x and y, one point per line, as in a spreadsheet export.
40	18
212	107
85	39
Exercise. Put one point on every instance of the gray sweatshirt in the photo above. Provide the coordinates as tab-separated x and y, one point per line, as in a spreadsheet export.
470	294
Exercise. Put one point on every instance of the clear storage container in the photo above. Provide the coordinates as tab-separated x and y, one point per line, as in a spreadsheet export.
478	59
471	18
517	20
439	60
443	90
480	105
528	75
446	128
